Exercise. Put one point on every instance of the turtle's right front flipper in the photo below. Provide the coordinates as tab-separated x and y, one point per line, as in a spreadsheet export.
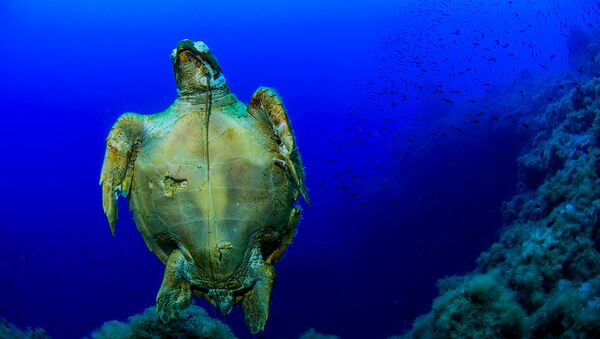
122	146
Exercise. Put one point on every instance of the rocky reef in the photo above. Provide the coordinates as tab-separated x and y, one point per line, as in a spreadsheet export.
194	322
8	330
542	278
312	334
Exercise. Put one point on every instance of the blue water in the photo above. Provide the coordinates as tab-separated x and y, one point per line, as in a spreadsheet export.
406	175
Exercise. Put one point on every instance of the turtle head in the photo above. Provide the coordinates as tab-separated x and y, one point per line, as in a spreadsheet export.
195	67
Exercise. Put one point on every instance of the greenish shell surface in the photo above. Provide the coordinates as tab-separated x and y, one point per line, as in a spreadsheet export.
208	198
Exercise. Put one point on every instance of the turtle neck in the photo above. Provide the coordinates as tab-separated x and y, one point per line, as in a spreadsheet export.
219	96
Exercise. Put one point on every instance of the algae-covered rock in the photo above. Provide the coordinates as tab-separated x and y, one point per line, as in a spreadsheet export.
542	278
312	334
193	322
8	330
476	307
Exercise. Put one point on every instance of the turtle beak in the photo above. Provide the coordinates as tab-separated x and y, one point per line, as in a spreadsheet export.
184	48
198	54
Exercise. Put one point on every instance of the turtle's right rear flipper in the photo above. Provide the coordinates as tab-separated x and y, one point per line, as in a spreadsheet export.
122	146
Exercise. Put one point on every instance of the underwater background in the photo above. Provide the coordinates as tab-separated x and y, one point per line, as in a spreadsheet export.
440	138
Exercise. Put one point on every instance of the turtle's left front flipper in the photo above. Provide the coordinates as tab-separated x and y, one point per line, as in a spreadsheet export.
122	146
268	106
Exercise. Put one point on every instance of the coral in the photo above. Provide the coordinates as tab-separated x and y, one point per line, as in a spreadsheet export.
8	330
193	322
542	278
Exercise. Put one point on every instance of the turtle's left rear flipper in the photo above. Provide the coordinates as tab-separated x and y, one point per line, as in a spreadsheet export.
122	146
175	293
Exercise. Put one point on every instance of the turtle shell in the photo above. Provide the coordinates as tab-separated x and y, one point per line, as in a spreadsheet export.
208	194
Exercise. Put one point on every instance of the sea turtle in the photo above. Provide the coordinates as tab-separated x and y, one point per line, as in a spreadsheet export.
213	187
